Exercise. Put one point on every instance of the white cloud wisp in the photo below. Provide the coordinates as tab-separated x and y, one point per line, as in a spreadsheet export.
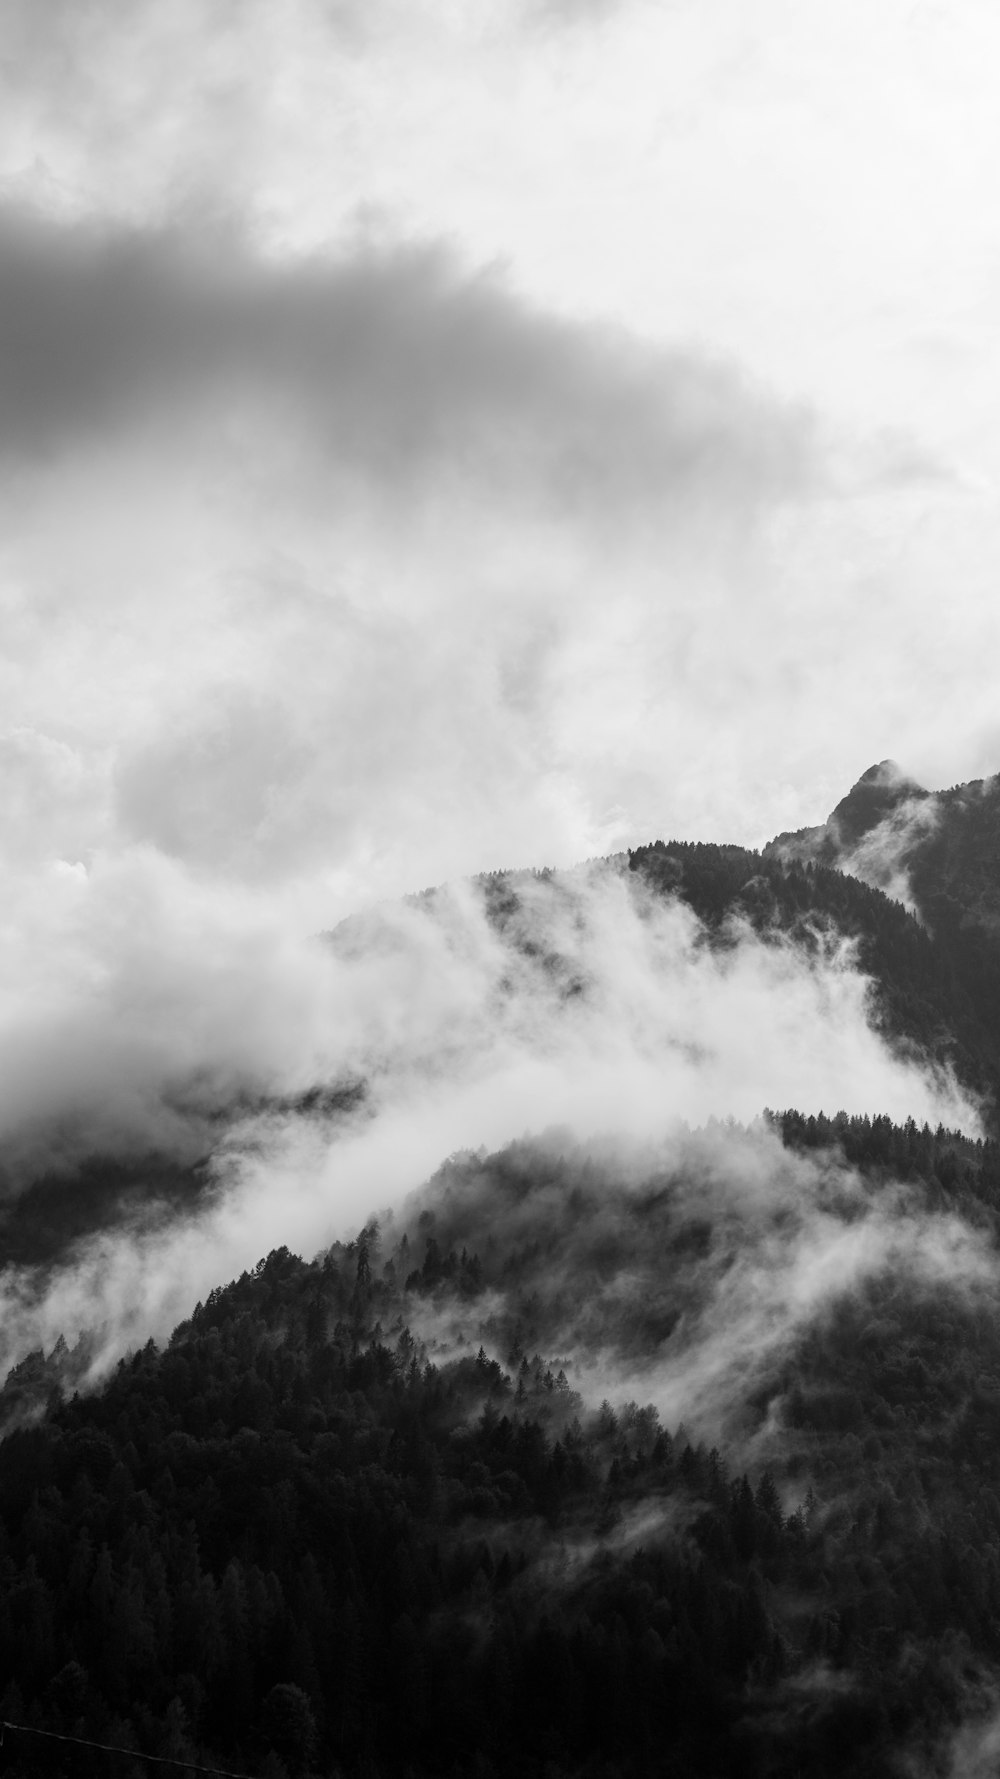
598	1007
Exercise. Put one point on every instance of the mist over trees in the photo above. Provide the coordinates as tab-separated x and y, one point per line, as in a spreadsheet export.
545	1325
936	990
527	956
595	1457
367	1514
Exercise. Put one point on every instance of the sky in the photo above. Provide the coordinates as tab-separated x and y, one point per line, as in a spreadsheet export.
438	438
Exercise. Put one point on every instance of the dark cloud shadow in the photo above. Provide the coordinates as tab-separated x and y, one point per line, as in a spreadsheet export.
397	365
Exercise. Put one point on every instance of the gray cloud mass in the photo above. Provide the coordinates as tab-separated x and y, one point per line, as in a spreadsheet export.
400	366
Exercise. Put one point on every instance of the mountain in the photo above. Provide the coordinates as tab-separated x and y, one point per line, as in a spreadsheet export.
370	1514
884	799
938	853
935	993
934	997
593	1459
938	850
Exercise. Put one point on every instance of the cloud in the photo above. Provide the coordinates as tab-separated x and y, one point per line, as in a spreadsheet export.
360	566
398	365
140	1003
571	12
682	1271
103	108
134	1008
50	797
782	1281
975	1747
598	1008
872	832
334	562
881	856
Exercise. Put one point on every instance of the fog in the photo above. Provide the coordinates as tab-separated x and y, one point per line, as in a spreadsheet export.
881	855
581	1001
879	858
680	1272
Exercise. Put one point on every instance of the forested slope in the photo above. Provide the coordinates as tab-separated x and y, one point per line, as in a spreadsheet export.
937	993
935	999
326	1531
944	846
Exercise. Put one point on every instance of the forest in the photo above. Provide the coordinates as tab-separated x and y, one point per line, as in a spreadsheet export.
365	1515
934	998
936	986
590	1460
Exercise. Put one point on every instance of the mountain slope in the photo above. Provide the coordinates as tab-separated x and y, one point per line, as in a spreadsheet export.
940	853
933	996
537	958
356	1518
599	1458
940	849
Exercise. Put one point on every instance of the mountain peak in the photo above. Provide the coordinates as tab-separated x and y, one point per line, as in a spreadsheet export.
875	795
887	772
881	790
938	851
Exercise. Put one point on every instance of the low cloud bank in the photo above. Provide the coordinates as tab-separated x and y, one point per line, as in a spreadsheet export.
466	1016
681	1272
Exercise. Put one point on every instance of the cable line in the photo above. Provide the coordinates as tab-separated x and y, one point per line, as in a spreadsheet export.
160	1760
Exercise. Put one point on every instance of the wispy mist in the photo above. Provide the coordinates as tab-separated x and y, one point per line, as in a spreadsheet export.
465	1017
682	1272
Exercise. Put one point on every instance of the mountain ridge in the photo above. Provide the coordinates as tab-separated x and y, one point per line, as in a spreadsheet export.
934	998
594	1456
357	1516
938	851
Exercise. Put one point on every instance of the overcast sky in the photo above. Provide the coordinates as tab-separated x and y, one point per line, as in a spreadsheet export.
441	436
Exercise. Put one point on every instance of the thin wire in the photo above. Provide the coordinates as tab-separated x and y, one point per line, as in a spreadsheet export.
161	1760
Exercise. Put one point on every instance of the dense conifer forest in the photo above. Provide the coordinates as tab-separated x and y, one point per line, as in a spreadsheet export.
325	1531
592	1460
936	989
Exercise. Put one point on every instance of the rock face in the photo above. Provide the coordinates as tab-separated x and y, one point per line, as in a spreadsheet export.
938	851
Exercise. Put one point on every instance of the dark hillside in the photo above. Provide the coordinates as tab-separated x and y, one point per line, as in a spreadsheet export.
946	844
327	1530
936	999
936	993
